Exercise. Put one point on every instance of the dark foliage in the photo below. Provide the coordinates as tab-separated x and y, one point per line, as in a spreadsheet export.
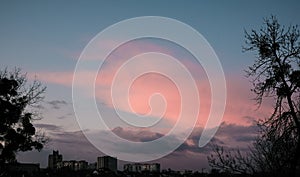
17	103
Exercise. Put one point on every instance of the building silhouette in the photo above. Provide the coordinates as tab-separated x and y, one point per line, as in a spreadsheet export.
107	163
73	165
54	159
142	167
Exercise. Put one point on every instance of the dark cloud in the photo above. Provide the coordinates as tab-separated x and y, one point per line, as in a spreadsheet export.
191	144
228	135
138	135
56	104
236	133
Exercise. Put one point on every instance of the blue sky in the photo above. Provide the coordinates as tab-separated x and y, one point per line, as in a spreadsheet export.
48	36
43	32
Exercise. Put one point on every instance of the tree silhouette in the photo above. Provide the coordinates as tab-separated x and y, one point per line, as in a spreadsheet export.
275	74
269	156
17	103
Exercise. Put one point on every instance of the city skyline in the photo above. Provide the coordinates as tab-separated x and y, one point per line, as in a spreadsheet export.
46	39
56	162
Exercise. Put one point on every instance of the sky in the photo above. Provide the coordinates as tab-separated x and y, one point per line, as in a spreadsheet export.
45	39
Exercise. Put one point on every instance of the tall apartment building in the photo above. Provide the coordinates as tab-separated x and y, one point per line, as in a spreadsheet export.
107	162
54	159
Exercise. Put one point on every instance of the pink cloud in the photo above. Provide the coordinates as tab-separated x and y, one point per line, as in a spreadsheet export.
239	98
239	103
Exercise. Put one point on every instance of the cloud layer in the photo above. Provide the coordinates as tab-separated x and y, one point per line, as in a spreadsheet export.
74	145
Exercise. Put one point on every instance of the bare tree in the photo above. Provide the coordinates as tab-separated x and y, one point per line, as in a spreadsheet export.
268	156
231	160
17	102
276	74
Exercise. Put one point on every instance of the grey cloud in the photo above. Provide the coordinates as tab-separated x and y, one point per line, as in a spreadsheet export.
228	135
56	104
139	135
237	132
